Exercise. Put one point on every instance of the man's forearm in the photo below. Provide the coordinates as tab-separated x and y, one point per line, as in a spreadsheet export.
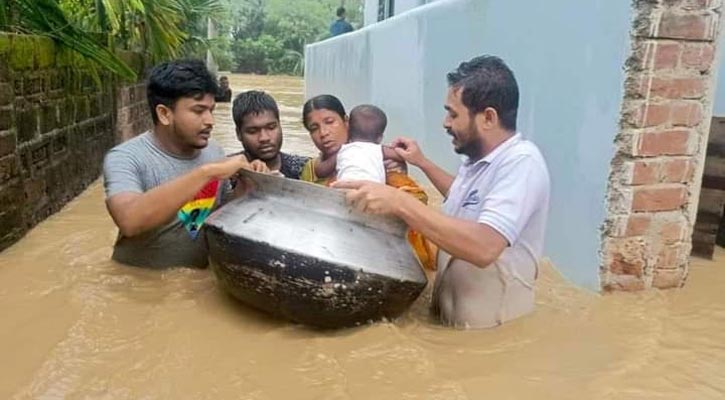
466	240
441	179
143	212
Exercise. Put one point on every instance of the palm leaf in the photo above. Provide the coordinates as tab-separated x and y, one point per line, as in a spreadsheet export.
4	13
45	17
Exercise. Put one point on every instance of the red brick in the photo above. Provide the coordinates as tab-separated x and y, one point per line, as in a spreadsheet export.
626	256
621	266
685	26
678	171
668	278
637	225
648	198
677	88
645	172
673	142
698	5
669	256
672	232
666	56
686	114
699	56
651	115
626	283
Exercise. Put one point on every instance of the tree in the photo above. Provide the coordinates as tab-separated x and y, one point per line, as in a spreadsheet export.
278	24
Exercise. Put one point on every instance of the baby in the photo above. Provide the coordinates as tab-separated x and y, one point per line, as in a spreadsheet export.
361	158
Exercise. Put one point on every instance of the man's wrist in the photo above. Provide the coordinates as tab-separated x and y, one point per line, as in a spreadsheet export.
424	164
402	203
208	171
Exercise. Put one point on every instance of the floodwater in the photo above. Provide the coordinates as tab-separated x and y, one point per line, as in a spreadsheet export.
74	325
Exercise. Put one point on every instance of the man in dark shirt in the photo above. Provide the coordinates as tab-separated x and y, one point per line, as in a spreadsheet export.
256	117
340	26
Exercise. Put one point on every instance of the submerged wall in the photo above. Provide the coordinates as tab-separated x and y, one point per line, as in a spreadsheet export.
56	123
567	56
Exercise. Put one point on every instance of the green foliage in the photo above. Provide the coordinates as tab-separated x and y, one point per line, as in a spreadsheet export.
269	36
46	17
4	18
257	55
260	36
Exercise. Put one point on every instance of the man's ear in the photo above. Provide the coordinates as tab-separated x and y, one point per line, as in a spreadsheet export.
165	114
487	119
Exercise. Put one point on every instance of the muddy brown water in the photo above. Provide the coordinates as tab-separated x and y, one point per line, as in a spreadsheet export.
74	325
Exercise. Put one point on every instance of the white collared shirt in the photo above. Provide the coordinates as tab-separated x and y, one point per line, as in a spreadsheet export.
507	190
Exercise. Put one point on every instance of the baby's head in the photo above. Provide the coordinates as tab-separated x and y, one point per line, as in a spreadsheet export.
367	124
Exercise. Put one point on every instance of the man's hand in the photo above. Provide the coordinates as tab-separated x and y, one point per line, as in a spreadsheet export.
259	166
409	150
370	197
227	167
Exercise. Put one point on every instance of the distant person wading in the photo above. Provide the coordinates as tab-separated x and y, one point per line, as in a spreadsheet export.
340	26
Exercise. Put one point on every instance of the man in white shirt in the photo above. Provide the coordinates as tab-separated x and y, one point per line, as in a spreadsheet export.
491	230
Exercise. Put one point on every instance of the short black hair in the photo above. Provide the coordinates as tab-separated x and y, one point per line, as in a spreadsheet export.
488	82
340	11
172	80
322	102
367	123
252	102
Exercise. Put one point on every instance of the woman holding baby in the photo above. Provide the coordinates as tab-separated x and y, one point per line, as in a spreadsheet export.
350	149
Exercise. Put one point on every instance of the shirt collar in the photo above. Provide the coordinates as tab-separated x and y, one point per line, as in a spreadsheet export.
490	157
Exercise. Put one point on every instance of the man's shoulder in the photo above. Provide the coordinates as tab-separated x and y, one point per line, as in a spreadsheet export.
524	148
135	142
132	148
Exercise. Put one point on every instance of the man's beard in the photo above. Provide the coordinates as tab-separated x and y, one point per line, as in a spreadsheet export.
265	156
472	147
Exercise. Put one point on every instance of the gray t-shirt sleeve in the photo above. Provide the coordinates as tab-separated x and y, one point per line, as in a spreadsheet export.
121	173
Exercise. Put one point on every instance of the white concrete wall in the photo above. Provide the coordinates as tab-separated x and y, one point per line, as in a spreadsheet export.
370	15
568	57
402	6
719	103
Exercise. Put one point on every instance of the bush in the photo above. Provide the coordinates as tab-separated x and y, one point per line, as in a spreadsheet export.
256	55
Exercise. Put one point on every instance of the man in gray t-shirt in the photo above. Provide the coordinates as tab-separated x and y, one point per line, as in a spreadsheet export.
161	185
140	165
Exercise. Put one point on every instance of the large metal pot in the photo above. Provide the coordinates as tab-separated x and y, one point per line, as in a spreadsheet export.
296	250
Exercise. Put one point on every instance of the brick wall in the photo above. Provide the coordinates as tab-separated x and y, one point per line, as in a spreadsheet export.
56	123
654	184
133	115
132	112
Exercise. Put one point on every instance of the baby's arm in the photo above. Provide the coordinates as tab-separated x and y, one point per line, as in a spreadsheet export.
389	153
325	167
